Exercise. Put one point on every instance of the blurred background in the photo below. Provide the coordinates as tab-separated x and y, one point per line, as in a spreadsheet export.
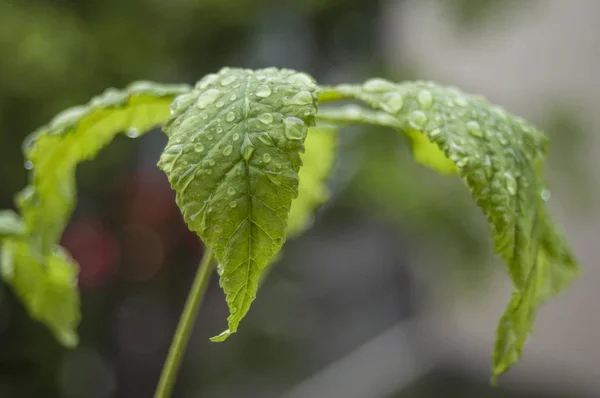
395	291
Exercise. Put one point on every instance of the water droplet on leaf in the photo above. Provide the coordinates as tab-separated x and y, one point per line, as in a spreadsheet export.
294	128
378	85
228	150
263	91
266	158
266	118
425	98
207	98
474	128
133	133
233	204
229	117
228	80
231	191
417	120
28	165
198	147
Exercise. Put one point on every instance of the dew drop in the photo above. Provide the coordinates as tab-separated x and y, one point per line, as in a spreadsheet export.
198	147
265	138
235	137
546	195
133	133
219	130
417	120
220	104
233	204
294	128
263	91
302	98
393	102
209	137
425	99
301	78
247	149
233	97
474	128
210	162
218	229
266	118
266	158
208	171
229	117
207	98
228	80
28	165
461	101
231	191
228	150
378	85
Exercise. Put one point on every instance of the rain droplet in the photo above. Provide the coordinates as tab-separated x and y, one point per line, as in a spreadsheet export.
425	98
207	98
228	150
219	130
301	78
263	91
233	97
474	128
208	171
417	120
378	85
294	128
228	80
133	133
209	137
198	147
231	191
210	162
28	165
266	118
546	195
233	204
230	116
247	149
266	158
220	104
393	102
265	138
302	98
235	137
461	101
218	229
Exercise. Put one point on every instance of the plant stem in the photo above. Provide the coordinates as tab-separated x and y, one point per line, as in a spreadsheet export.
186	324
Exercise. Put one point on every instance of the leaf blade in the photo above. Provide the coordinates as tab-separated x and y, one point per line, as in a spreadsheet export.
499	157
233	159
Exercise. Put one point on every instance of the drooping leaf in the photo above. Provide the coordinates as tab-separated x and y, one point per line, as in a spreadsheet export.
10	224
45	283
75	135
500	158
317	163
425	152
233	158
40	272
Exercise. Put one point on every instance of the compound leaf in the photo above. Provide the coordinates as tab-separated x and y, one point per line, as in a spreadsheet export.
500	158
317	163
233	158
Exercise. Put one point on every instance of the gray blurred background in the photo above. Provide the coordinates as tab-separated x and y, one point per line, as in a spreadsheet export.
395	291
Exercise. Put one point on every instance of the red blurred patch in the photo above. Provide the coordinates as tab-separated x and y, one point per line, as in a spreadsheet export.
90	243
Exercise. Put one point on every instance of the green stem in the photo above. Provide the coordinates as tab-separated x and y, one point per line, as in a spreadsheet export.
186	323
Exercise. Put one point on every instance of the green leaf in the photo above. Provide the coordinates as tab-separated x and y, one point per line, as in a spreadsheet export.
46	284
233	158
75	135
317	163
500	158
38	269
10	224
